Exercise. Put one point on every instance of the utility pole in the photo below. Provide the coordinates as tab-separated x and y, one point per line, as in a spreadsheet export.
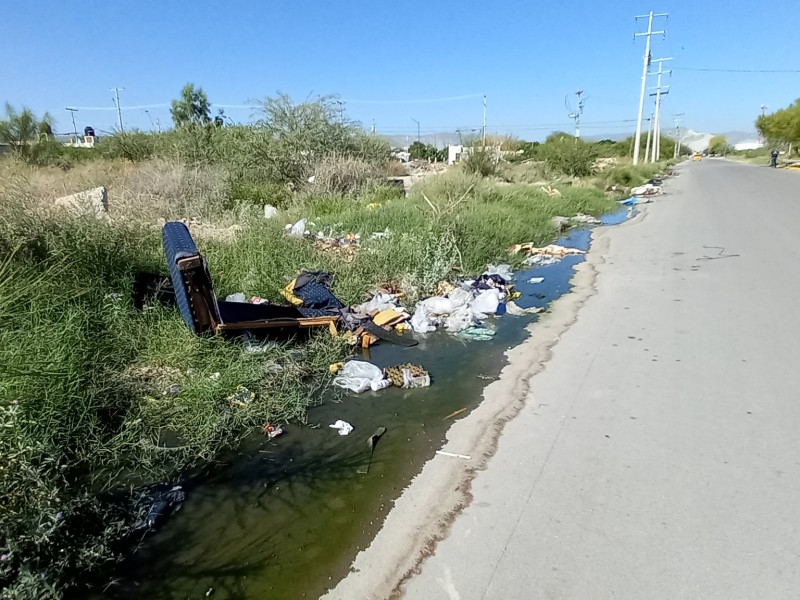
576	115
116	91
484	121
646	66
74	127
647	144
417	122
657	145
677	120
373	126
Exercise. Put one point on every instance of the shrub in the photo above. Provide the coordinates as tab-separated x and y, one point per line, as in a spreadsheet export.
344	175
132	145
482	162
568	156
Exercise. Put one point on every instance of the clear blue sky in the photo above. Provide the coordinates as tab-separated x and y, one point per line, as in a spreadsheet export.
524	55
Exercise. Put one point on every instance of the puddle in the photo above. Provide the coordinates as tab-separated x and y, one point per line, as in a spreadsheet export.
285	518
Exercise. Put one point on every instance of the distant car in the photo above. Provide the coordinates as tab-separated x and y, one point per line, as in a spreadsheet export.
697	156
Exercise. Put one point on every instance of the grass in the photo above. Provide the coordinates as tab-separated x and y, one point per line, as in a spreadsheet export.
84	405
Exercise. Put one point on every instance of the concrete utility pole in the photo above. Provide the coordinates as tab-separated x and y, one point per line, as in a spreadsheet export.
116	91
646	66
647	144
74	127
657	154
677	119
576	115
484	120
417	122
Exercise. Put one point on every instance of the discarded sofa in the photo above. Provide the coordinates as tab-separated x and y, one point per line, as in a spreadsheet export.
204	314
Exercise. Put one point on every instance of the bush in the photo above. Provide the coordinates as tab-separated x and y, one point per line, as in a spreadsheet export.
344	175
134	146
568	156
482	162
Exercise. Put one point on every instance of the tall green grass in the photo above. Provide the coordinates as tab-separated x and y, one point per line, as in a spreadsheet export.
88	407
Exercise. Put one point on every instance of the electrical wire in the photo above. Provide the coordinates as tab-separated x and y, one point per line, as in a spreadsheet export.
737	70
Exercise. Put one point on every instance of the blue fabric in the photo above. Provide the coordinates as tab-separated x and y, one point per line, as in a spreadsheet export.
178	244
317	296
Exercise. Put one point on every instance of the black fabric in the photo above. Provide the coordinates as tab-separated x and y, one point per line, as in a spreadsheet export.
237	312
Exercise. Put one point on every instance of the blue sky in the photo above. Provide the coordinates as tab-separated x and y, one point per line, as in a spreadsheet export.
383	57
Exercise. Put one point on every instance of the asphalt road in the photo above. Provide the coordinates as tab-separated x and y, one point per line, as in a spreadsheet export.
658	455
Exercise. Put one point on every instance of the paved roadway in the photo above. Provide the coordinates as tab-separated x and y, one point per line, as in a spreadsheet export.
659	454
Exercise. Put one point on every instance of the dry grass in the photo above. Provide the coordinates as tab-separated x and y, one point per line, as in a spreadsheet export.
145	192
344	175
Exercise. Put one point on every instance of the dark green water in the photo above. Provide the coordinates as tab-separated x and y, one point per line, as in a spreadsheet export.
285	518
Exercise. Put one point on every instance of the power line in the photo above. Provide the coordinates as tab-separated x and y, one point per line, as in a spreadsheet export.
424	101
737	70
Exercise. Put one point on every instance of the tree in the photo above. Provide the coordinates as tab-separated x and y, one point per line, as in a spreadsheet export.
718	145
19	129
782	126
192	108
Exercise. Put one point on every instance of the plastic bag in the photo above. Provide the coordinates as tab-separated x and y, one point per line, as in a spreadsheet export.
358	376
503	270
343	427
409	381
486	303
460	319
298	229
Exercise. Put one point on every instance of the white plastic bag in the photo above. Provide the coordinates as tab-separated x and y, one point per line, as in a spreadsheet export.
421	321
298	229
270	211
343	427
358	376
460	319
486	303
409	381
503	270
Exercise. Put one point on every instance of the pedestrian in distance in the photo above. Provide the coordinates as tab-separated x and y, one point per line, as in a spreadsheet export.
773	162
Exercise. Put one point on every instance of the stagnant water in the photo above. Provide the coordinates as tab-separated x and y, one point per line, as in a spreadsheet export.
284	518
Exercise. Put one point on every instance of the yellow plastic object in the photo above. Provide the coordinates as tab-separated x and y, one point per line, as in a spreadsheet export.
373	205
288	293
386	317
335	367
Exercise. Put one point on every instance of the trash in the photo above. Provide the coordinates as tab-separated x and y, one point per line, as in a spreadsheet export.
461	318
503	271
378	303
486	303
513	309
270	211
373	205
209	592
560	223
380	385
536	280
388	317
312	291
272	431
453	455
454	413
408	375
237	297
648	189
298	229
336	367
389	336
656	181
173	390
343	427
255	347
344	247
372	441
581	218
357	376
634	200
551	191
258	300
214	376
444	287
549	250
478	334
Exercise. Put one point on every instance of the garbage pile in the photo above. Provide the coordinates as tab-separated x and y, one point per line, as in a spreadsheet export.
467	304
359	376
